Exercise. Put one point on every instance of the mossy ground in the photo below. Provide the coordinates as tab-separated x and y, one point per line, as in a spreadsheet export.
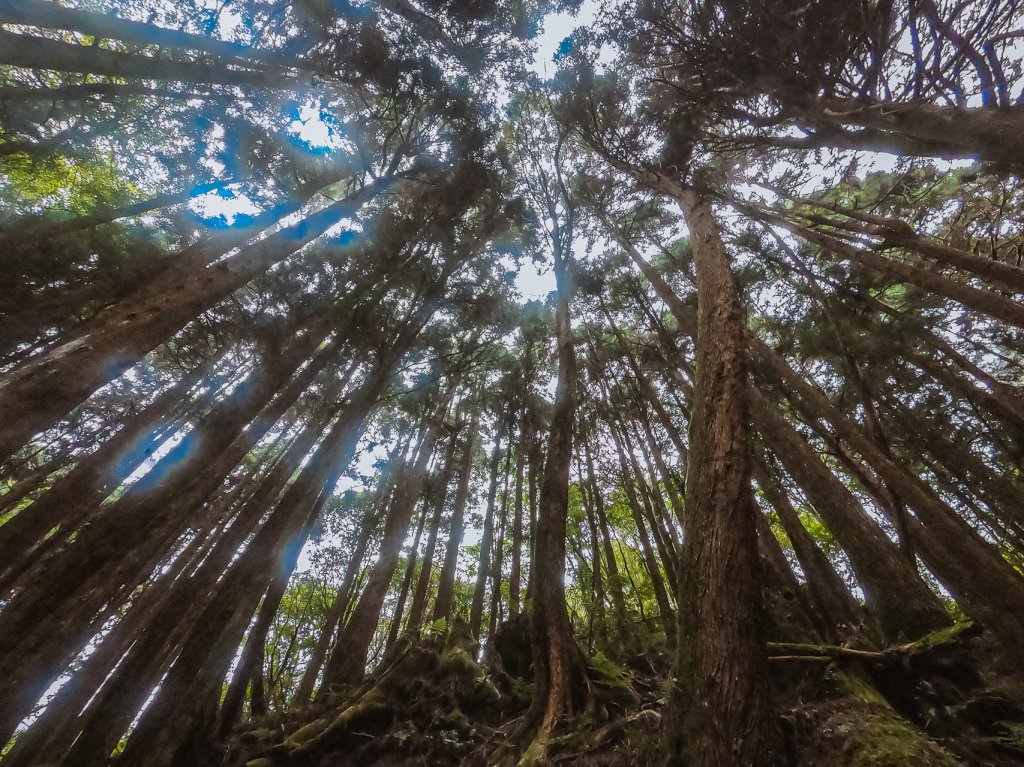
431	703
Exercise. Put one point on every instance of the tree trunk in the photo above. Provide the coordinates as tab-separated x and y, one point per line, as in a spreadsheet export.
410	571
348	660
476	610
48	386
336	611
55	620
668	616
974	572
250	665
614	580
446	583
207	653
720	708
899	600
83	488
437	498
830	596
498	551
515	573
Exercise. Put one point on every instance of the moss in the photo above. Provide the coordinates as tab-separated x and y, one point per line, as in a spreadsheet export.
857	687
942	637
611	681
459	665
858	734
882	740
467	679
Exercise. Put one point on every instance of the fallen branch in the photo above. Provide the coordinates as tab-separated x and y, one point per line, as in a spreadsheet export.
793	651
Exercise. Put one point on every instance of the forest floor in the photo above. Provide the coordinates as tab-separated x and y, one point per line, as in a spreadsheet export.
431	703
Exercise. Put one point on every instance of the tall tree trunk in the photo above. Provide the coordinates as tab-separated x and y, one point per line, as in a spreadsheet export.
337	610
446	583
498	551
598	619
896	595
85	486
214	638
720	709
972	569
515	572
557	661
250	664
439	492
350	653
614	580
410	571
829	594
476	610
668	615
114	553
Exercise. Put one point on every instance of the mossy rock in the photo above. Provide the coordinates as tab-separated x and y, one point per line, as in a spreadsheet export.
611	682
853	733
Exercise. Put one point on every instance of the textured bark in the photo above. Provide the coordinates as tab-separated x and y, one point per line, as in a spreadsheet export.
985	132
410	571
498	552
720	708
899	234
438	495
336	611
985	302
516	570
614	580
668	615
53	15
65	596
647	390
652	453
557	661
43	230
598	631
647	508
207	652
842	615
81	490
534	465
147	653
59	724
250	664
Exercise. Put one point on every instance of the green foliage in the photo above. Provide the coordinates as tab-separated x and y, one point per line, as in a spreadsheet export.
74	185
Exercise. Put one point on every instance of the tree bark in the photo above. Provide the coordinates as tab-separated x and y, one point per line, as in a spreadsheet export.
720	713
437	499
975	573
